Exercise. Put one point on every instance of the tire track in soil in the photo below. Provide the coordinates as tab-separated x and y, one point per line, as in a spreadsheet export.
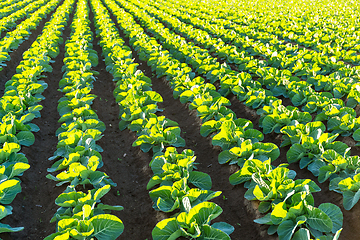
35	205
238	211
17	54
132	171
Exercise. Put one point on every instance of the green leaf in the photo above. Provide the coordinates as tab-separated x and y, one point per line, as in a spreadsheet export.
279	213
225	156
63	235
167	229
334	213
356	135
33	127
204	212
211	233
8	228
272	229
209	127
264	220
4	211
339	147
154	96
315	166
237	178
264	207
269	124
26	138
101	192
86	210
107	227
286	229
17	169
325	172
69	199
200	179
296	152
305	161
8	191
108	207
223	226
28	117
302	234
167	204
268	149
318	219
254	135
350	199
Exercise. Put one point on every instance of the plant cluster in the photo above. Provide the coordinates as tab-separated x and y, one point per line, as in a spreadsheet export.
13	39
18	107
340	119
173	172
229	131
81	215
10	21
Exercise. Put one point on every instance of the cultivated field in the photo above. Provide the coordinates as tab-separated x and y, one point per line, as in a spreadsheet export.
129	119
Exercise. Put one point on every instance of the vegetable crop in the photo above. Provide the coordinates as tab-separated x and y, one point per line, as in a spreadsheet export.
270	86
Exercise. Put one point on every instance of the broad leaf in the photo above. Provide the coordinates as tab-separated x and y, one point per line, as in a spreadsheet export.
200	179
167	229
107	227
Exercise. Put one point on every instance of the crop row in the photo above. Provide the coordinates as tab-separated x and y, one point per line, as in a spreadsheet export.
172	171
10	21
81	215
287	204
299	92
19	106
322	32
6	3
13	39
310	144
6	11
284	67
312	66
229	131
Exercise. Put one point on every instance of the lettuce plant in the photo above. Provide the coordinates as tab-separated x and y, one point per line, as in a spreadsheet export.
194	223
168	198
231	134
82	216
291	205
311	148
249	150
171	166
215	125
276	116
293	133
156	133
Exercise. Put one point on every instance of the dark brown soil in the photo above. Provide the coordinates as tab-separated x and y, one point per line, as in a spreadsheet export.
129	167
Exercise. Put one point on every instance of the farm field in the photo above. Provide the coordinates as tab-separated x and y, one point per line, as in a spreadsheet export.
129	119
